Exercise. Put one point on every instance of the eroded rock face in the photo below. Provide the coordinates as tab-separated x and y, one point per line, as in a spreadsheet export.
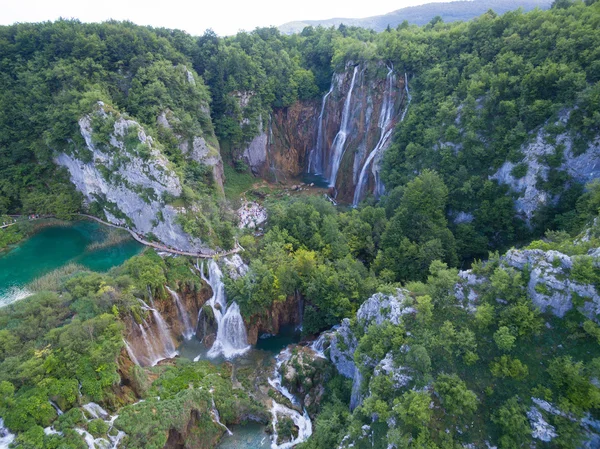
378	309
269	322
583	168
285	139
129	179
304	375
197	148
551	287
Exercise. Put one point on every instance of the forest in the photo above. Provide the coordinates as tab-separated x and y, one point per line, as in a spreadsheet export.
484	93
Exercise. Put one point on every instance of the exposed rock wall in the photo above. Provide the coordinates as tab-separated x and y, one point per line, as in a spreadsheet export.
582	168
280	314
128	178
281	149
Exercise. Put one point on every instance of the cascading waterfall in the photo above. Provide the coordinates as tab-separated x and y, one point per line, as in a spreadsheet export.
97	412
301	421
56	407
188	329
131	353
385	120
5	436
339	141
216	415
231	339
316	156
379	187
167	348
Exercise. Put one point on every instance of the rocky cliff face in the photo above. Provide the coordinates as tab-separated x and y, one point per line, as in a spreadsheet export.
579	166
123	174
283	313
302	137
196	147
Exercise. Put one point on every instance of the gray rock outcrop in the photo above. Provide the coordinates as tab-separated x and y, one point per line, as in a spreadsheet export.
129	178
582	168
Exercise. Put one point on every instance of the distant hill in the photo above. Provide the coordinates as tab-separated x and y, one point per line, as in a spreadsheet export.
422	14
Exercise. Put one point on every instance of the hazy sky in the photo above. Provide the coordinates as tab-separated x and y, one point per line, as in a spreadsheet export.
223	16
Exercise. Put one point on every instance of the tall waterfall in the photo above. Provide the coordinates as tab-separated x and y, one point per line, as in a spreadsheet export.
301	421
316	156
232	339
188	329
379	187
340	139
385	120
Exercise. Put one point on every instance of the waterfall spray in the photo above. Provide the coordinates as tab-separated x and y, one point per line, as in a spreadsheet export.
231	339
379	187
385	120
315	158
339	142
188	329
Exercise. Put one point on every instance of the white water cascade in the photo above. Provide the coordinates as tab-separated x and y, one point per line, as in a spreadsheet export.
97	412
385	120
165	349
379	187
188	329
302	422
315	158
216	415
339	141
232	339
5	436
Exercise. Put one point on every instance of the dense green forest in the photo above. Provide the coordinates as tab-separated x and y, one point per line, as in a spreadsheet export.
482	93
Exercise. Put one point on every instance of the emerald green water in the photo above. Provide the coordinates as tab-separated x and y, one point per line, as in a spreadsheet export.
54	247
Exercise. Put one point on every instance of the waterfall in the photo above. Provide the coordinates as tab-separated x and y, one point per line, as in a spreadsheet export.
385	120
216	415
56	407
188	329
130	352
340	139
301	421
231	339
167	349
379	187
5	436
97	412
316	156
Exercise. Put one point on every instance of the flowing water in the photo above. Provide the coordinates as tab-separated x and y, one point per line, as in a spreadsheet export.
231	339
385	120
54	247
379	187
188	329
338	146
316	156
5	436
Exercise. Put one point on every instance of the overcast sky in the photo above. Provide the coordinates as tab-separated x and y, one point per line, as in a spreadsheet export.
225	17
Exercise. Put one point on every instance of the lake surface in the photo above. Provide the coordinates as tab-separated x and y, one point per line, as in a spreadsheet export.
54	247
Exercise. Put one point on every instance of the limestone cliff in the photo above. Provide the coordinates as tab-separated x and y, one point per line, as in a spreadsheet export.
302	138
123	174
280	314
582	166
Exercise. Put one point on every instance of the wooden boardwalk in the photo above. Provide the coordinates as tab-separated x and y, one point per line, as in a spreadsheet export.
164	248
154	245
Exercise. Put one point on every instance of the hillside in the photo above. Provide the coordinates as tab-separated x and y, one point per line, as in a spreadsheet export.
422	14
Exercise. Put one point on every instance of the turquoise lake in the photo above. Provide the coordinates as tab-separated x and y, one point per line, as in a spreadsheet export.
54	247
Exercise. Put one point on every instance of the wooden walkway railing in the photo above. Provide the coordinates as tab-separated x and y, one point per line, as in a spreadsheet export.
154	245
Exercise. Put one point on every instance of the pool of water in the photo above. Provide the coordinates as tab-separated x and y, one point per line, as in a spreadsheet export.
318	180
248	436
54	247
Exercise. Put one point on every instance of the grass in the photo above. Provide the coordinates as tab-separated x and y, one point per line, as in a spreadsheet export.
53	280
113	237
236	184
